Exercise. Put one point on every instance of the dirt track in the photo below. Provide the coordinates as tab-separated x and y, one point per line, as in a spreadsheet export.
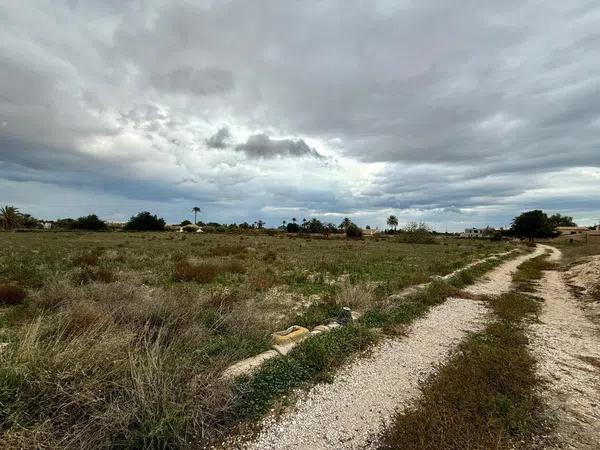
567	346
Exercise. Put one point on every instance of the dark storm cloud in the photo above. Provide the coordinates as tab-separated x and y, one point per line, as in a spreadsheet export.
220	139
449	107
262	146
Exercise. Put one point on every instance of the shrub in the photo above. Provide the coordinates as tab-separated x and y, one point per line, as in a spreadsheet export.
353	231
190	228
262	281
205	272
86	259
89	274
12	294
145	221
270	257
89	223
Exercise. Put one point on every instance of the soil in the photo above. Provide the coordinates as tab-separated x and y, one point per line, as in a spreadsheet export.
566	344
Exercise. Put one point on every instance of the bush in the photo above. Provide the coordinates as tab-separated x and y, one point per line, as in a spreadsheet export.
89	274
12	294
190	228
353	231
293	228
145	221
205	272
89	223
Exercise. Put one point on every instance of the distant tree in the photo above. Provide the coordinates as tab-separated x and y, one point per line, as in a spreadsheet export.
392	222
64	224
260	224
293	227
186	222
345	223
294	219
368	227
10	217
89	223
145	221
532	224
416	233
195	210
558	220
353	231
315	226
330	228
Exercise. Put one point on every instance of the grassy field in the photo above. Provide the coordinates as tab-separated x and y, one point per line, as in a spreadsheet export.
122	338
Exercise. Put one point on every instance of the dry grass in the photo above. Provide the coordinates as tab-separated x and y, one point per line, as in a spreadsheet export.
123	345
205	272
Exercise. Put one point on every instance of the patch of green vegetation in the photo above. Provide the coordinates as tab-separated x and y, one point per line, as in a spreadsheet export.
311	361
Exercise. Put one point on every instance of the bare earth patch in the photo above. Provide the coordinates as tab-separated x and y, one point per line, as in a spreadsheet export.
567	346
356	408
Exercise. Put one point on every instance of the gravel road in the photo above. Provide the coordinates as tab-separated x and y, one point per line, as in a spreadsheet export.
351	412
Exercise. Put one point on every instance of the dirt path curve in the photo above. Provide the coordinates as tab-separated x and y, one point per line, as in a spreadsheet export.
567	346
352	411
499	280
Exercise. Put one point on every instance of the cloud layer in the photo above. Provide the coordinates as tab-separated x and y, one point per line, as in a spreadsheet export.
456	114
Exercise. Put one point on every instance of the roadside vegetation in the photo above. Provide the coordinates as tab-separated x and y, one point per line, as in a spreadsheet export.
487	395
120	339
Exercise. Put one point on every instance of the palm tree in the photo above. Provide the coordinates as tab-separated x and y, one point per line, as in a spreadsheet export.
195	210
392	221
294	219
10	217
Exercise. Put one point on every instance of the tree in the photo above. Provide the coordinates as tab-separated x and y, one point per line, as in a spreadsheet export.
353	231
145	221
10	217
532	224
185	222
345	223
89	223
293	227
558	220
392	222
195	210
260	224
294	219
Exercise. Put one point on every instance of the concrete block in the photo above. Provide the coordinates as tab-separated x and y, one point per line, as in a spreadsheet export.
248	365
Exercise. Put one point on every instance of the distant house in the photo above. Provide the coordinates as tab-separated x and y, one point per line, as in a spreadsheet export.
47	225
571	230
370	231
476	232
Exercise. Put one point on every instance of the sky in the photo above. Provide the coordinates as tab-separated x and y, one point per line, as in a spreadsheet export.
457	113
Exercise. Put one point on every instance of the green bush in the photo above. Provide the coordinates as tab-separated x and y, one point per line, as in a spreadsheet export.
353	231
145	221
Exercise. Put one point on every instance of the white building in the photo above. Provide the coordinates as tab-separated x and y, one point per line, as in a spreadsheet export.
475	232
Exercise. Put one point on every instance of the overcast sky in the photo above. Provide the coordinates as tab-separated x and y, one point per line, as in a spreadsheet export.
458	113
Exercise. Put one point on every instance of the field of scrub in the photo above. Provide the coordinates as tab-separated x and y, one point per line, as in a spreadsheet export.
120	339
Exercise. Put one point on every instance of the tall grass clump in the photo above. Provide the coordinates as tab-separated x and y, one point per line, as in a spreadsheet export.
205	272
115	365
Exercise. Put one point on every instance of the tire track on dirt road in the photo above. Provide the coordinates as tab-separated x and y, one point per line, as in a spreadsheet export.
566	345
